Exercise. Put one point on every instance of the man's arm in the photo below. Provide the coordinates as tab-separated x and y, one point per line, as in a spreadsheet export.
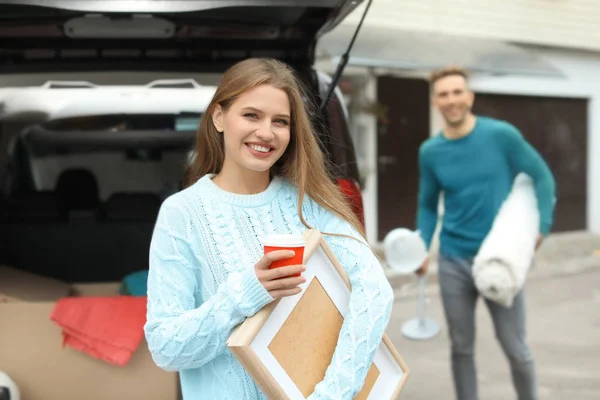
524	158
429	192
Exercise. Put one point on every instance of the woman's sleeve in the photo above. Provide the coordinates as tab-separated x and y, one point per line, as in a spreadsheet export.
182	332
368	312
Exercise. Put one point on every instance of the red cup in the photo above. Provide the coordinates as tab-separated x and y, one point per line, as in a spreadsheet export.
285	242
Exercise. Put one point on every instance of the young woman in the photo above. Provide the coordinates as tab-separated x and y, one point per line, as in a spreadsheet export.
258	170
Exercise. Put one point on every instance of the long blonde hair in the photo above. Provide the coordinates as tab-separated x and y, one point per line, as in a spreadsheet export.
303	163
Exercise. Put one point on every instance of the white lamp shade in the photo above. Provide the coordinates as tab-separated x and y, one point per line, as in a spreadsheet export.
405	250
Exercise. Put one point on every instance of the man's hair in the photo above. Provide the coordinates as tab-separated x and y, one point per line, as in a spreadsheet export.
447	71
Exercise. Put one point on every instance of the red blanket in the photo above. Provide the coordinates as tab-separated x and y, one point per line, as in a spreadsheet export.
107	328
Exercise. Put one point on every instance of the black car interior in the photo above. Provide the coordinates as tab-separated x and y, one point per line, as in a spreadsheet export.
69	233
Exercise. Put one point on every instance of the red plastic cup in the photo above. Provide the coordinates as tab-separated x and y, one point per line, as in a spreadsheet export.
285	242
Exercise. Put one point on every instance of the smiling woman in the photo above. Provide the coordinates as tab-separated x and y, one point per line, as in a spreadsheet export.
258	171
256	131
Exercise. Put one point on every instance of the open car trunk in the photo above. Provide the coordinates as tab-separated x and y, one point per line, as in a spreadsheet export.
190	35
72	219
81	220
178	36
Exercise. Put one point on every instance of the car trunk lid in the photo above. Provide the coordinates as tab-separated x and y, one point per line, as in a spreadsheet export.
192	35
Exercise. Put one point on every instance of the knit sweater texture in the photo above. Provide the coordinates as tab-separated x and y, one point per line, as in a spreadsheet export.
202	284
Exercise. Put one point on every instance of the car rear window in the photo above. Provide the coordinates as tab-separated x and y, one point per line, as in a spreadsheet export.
126	122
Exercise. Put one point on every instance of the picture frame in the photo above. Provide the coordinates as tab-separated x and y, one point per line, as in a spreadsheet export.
287	346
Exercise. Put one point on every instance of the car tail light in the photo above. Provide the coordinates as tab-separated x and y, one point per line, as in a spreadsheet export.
352	191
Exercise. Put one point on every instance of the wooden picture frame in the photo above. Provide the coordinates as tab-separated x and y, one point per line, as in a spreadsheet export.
287	346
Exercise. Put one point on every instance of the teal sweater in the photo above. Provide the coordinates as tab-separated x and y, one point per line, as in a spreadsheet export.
202	284
476	173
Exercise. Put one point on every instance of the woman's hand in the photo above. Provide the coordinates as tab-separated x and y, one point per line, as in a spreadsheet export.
279	282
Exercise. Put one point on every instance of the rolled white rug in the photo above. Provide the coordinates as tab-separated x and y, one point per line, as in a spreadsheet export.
506	254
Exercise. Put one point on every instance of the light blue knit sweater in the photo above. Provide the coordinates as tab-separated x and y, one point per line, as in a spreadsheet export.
202	284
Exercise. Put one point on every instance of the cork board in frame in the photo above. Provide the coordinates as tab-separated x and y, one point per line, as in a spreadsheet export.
287	346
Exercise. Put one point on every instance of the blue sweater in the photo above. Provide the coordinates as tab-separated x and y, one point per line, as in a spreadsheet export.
202	284
476	174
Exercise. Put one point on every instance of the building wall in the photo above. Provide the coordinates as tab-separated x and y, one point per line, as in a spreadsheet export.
581	70
561	23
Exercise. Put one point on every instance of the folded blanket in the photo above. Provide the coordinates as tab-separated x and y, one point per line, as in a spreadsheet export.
107	328
503	261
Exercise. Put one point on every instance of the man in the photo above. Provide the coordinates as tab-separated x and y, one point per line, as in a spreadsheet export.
474	161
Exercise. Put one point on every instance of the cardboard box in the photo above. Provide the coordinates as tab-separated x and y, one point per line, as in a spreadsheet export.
96	289
16	285
32	354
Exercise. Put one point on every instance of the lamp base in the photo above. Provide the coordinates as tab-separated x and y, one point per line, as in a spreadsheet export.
420	328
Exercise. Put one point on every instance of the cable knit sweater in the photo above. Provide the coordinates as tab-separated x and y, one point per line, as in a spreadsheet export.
202	284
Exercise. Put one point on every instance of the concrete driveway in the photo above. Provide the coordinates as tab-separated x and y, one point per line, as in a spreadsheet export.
563	327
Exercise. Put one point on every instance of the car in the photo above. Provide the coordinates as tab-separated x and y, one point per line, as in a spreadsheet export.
84	167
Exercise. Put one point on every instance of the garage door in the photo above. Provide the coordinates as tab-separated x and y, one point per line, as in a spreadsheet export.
557	128
398	141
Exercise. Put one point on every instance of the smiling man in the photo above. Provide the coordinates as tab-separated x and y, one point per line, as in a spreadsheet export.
474	161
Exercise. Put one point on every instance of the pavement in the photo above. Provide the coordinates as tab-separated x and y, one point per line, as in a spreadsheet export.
563	300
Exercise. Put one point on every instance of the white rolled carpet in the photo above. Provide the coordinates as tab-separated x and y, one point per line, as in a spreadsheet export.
506	254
